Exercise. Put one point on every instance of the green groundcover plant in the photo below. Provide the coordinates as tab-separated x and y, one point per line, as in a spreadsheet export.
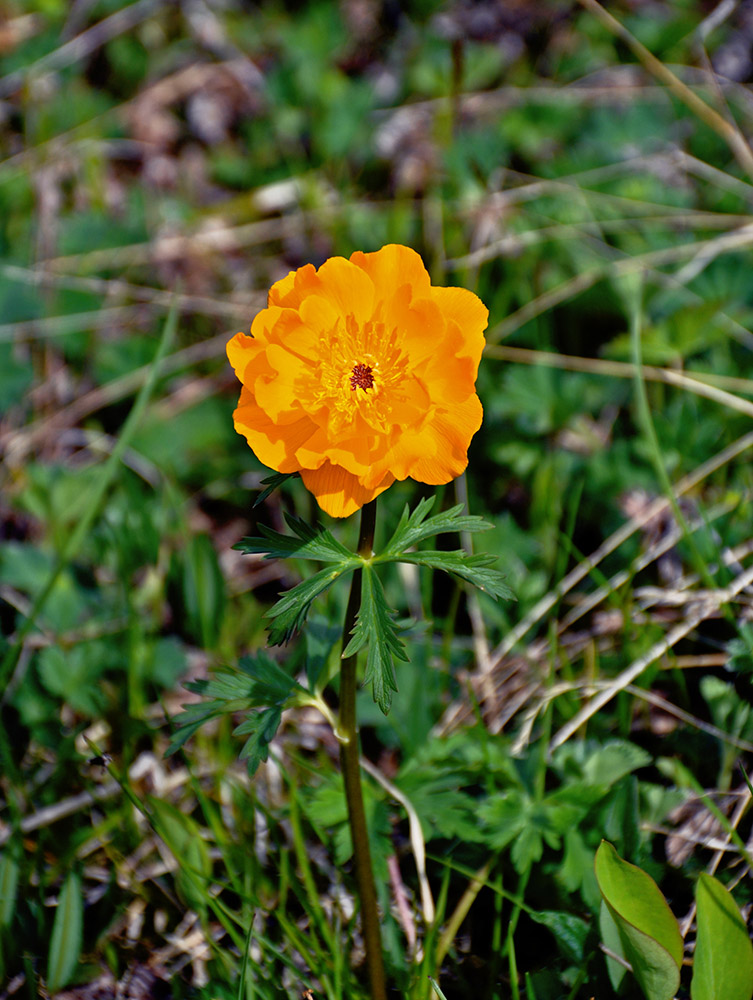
638	928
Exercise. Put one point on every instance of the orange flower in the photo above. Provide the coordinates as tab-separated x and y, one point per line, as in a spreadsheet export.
361	373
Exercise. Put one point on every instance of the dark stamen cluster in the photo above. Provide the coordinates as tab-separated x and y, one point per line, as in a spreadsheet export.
362	377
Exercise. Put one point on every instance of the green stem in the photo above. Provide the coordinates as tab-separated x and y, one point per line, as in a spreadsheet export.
348	734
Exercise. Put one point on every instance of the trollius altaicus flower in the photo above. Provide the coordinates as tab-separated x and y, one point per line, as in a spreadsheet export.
360	373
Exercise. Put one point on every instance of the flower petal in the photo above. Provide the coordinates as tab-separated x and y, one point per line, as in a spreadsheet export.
450	431
434	453
339	492
319	314
279	394
354	453
273	444
469	313
392	267
291	290
245	353
347	287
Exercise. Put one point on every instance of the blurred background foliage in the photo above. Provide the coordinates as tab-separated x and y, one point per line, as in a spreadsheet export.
194	152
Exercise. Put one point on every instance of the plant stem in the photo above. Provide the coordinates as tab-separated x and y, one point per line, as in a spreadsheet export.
726	130
348	734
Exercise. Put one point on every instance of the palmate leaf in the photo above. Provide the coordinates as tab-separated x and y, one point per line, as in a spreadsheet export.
374	626
258	682
305	543
376	629
474	569
291	610
415	527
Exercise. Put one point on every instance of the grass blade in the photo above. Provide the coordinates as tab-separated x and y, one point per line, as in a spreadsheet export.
67	934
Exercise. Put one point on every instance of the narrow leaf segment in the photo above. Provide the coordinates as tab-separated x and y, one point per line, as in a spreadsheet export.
415	527
292	609
305	543
471	568
67	934
376	630
271	483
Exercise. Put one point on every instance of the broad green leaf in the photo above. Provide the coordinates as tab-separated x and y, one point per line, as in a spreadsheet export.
472	568
9	872
376	629
67	932
414	527
527	849
182	835
612	761
28	569
723	960
260	727
74	674
443	809
648	931
305	543
569	931
326	806
610	936
291	610
576	872
505	816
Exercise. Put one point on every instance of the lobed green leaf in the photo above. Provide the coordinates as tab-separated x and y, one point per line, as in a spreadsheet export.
569	930
415	527
471	568
305	543
186	728
269	682
291	610
257	682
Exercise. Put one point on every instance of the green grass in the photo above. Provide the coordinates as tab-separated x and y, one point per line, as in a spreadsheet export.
605	225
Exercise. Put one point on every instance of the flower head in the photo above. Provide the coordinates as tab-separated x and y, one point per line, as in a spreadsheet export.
360	373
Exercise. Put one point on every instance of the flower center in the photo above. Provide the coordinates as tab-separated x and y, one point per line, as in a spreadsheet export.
352	356
362	377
